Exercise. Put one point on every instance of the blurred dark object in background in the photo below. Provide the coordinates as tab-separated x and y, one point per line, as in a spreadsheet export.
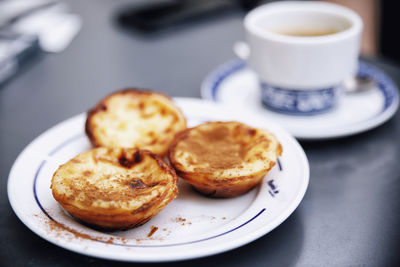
389	36
162	15
15	51
381	19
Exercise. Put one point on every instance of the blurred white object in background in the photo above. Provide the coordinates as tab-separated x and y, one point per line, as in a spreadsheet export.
50	21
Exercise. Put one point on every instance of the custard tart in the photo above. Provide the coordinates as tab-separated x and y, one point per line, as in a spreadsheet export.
224	159
114	188
135	118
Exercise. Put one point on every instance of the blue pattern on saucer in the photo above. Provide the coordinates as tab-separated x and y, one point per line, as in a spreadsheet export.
385	84
223	72
298	102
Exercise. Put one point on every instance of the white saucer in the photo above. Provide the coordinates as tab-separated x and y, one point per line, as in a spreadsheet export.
191	226
235	84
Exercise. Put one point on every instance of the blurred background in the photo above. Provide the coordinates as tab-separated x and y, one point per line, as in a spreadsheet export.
55	24
29	27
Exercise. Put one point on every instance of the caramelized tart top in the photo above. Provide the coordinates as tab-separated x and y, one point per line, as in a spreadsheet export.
135	118
225	149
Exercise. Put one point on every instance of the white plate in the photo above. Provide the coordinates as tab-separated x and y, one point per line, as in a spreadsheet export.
190	226
235	84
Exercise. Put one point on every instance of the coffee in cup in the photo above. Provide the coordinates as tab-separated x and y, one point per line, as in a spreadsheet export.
302	52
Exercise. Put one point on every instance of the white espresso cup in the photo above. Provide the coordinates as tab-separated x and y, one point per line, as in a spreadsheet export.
302	52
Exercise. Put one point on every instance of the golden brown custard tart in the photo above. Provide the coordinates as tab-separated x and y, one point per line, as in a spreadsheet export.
114	188
224	159
135	118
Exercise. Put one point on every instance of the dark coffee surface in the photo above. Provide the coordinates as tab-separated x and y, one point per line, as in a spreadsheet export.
348	217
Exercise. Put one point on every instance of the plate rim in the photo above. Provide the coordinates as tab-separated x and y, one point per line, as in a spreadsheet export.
213	79
257	233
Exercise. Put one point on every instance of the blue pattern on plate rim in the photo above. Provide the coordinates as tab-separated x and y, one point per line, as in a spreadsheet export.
98	239
384	82
274	190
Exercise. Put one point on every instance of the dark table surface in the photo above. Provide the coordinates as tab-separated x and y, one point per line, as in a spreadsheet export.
348	217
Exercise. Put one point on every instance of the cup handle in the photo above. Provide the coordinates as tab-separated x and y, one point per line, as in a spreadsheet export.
241	50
